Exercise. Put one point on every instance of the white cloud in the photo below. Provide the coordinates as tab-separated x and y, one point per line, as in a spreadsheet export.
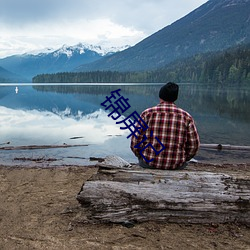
38	36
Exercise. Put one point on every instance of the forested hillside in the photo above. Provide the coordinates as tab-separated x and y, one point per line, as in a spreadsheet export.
214	26
231	66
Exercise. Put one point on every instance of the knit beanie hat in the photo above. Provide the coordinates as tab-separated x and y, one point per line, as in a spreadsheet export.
169	92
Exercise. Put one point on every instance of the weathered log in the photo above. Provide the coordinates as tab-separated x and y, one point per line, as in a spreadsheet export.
29	147
224	147
39	159
119	195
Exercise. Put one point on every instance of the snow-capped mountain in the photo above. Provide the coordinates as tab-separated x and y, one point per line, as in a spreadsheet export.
63	59
81	48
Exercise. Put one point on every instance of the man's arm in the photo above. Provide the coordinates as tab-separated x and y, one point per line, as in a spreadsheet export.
135	139
193	141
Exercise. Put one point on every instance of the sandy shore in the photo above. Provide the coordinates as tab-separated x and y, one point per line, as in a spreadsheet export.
38	210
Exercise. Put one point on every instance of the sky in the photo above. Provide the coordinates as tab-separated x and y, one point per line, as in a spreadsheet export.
32	25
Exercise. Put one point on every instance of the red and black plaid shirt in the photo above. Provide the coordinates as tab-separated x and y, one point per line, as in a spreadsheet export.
175	129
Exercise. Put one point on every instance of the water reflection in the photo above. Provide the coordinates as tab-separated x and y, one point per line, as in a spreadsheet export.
229	101
29	127
52	114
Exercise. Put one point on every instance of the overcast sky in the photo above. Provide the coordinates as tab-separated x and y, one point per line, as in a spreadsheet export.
27	25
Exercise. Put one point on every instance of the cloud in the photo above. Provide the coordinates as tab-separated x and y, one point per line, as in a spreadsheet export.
38	36
142	14
30	24
22	12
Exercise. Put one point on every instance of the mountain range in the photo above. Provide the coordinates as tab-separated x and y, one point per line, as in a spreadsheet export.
64	59
214	26
7	76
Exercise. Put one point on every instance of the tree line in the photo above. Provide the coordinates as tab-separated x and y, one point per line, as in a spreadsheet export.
231	66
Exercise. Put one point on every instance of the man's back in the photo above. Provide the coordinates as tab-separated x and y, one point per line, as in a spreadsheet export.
172	127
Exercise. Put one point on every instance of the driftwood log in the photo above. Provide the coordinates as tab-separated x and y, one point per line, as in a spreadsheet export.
224	147
136	195
30	147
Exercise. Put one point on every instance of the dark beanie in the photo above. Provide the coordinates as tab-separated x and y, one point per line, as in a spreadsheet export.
169	92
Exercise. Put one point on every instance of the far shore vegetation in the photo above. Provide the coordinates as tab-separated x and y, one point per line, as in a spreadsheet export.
231	66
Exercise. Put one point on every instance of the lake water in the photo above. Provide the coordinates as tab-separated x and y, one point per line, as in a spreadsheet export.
56	114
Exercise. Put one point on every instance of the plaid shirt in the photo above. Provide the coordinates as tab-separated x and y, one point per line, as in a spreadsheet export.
175	129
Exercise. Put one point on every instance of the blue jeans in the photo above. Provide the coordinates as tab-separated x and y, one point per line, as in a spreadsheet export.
143	164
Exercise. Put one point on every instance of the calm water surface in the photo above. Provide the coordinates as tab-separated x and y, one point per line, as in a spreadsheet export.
72	114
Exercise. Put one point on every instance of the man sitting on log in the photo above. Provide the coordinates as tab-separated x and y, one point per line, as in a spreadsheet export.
171	138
